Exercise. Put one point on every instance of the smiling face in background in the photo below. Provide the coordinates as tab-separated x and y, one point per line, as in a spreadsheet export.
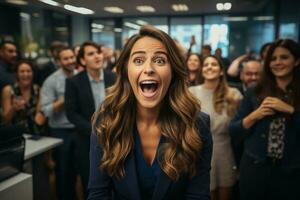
24	74
211	69
149	72
193	63
282	63
67	60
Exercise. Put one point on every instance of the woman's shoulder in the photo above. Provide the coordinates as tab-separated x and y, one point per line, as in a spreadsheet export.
235	93
7	90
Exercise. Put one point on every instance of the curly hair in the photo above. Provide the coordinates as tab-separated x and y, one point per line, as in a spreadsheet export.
115	119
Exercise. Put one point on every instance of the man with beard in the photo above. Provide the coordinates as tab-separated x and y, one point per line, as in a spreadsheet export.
53	106
250	74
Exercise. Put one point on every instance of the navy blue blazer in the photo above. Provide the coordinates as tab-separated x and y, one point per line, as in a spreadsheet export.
256	138
101	186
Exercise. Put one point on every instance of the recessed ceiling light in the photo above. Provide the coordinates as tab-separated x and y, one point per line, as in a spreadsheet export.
118	30
50	2
180	7
145	8
95	30
99	26
61	29
80	10
220	6
25	16
227	6
223	6
263	18
17	2
141	22
132	25
235	19
114	9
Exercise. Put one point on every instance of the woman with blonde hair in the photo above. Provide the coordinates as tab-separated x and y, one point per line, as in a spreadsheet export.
150	140
220	101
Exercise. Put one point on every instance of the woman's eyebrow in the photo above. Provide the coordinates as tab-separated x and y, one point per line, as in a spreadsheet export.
138	52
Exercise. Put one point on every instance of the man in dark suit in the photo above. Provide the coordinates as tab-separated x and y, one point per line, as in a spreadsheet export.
84	94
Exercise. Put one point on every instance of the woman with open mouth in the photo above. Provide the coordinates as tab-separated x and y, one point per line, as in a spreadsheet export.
150	140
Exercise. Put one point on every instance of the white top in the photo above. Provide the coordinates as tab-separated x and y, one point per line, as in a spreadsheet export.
219	122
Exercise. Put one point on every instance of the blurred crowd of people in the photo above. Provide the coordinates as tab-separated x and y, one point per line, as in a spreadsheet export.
253	103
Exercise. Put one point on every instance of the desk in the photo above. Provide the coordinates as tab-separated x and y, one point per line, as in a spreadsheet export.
26	186
36	147
34	165
18	187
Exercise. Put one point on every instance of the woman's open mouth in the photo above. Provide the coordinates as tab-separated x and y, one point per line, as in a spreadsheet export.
149	88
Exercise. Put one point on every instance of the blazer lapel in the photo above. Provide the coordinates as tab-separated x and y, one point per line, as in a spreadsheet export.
89	92
161	186
163	181
129	181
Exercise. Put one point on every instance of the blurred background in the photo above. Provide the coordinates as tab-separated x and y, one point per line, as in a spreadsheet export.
235	26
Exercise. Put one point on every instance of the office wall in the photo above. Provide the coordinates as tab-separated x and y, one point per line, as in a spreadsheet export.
10	22
80	29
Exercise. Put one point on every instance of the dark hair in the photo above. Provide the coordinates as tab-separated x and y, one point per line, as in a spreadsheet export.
199	78
4	42
55	46
196	54
115	119
267	86
17	66
82	50
61	49
206	46
263	48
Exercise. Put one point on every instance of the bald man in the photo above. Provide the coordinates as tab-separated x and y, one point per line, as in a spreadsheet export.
250	74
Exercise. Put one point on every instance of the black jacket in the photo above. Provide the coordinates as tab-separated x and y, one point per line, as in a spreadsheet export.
79	102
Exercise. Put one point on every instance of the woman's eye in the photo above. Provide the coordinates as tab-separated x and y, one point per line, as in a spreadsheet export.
138	61
160	61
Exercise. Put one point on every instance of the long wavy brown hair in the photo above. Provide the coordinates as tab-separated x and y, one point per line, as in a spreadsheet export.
115	119
222	98
267	86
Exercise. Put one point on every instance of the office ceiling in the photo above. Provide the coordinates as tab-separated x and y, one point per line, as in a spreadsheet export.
162	7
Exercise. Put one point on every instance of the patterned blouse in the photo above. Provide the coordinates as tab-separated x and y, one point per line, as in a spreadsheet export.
25	117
